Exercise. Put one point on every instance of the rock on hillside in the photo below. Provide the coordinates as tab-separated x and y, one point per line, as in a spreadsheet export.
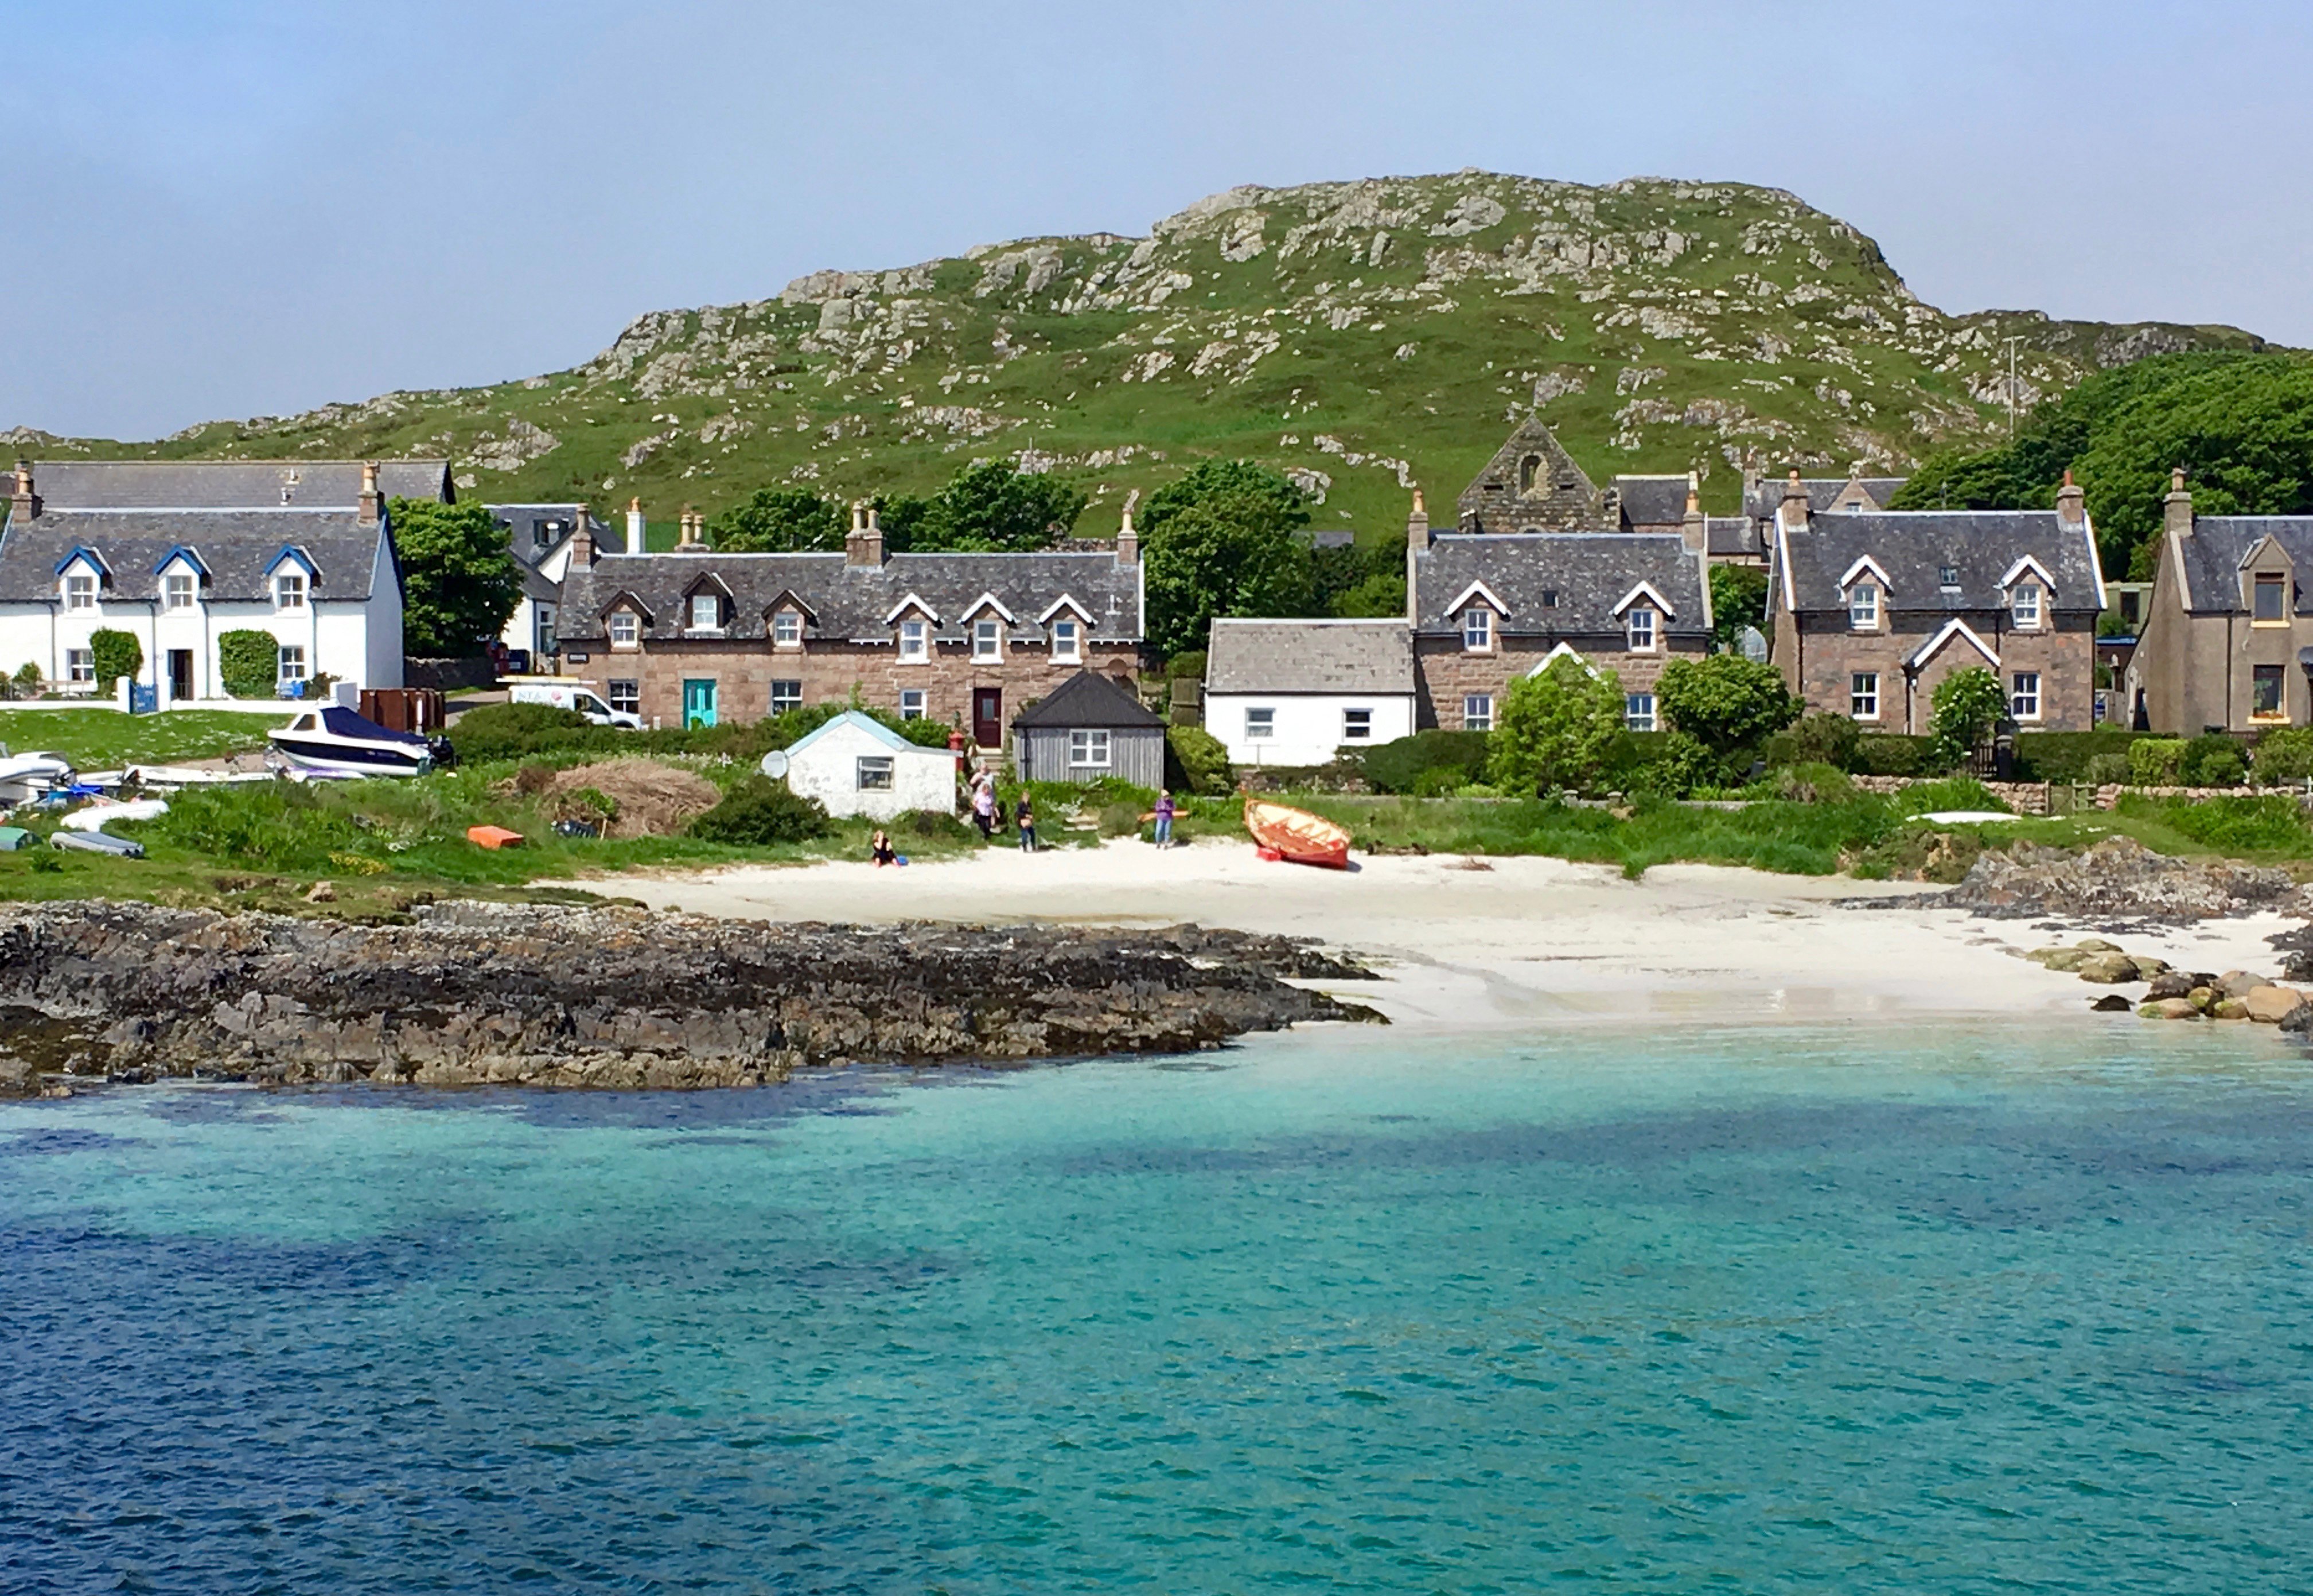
1361	334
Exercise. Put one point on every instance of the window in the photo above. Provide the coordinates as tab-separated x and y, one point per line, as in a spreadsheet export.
289	590
2265	699
626	695
1641	625
787	630
1863	695
986	639
79	664
2024	604
626	629
786	695
1357	726
79	592
1477	712
915	640
1529	468
546	640
1550	597
1065	640
293	662
1260	724
2272	599
874	773
179	592
1638	711
1088	751
2024	696
912	704
543	534
1946	575
1477	630
1863	607
705	612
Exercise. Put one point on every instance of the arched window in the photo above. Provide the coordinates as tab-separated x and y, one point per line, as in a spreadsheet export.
1529	470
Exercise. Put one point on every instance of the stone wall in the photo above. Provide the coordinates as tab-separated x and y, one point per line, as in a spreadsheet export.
2037	797
1818	654
448	675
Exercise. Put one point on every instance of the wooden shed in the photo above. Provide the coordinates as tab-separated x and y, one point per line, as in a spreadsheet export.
1089	727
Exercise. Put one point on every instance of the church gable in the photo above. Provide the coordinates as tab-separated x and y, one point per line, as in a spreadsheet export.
1531	485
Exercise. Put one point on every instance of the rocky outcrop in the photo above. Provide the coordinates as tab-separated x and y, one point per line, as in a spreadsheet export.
2118	878
475	992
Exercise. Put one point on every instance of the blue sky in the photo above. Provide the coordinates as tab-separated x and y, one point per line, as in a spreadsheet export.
248	206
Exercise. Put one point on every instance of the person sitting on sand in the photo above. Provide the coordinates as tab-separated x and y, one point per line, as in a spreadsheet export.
1164	817
880	850
1027	819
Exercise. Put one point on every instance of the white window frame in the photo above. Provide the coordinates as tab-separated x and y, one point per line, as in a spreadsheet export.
1863	695
2023	606
289	593
787	630
289	662
179	590
714	610
1639	629
1477	712
1863	607
80	589
781	702
1357	726
80	665
1638	711
986	639
1067	640
1260	723
2024	701
1088	748
626	629
1477	630
872	773
915	642
911	703
626	694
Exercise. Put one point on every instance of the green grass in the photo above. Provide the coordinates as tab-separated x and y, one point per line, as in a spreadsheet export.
105	740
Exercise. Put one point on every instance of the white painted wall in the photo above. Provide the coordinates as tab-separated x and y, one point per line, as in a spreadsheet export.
1308	725
828	770
356	642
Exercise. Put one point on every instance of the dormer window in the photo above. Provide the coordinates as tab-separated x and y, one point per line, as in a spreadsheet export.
986	639
787	630
80	590
1638	626
626	629
1477	630
1946	575
2272	598
705	612
1550	597
289	590
2023	606
915	641
1067	640
178	590
1863	607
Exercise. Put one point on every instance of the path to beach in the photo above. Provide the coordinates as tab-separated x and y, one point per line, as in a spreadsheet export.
1523	939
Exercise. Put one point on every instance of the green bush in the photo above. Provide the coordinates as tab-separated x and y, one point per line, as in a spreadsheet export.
2231	825
1969	704
2106	770
1186	667
1394	767
1816	783
1888	753
27	679
1196	761
1673	765
1820	739
1725	701
249	663
115	654
2065	756
1953	792
2212	760
759	813
2284	754
514	731
1439	781
1558	729
1120	819
2154	761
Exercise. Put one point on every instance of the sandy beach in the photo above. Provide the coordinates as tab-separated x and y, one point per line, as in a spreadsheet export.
1517	941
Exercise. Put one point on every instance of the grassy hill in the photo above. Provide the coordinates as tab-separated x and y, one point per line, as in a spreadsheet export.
1363	335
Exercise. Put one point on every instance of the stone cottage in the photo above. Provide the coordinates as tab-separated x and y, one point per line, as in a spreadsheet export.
695	637
2228	636
1869	611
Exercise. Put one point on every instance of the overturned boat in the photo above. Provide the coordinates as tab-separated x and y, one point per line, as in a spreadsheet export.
339	741
1295	836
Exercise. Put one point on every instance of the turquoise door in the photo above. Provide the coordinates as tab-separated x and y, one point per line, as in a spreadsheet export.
698	704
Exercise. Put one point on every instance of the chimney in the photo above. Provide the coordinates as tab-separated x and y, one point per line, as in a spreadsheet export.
1416	543
1695	529
2176	509
1128	541
1795	502
2072	504
582	539
687	539
1417	524
25	505
865	545
635	525
372	506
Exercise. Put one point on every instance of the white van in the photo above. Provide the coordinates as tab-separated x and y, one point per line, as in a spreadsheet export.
579	696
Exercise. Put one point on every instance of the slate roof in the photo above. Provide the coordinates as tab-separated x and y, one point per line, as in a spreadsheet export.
1913	546
1728	535
2213	555
231	484
1309	656
1762	501
1088	698
1652	501
1559	583
238	547
517	518
854	602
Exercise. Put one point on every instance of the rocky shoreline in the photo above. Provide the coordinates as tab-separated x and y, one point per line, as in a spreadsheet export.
475	994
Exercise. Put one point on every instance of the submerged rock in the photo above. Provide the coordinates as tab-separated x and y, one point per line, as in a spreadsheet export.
475	992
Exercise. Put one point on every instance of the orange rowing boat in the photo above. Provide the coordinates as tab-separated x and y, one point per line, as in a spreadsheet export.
1296	836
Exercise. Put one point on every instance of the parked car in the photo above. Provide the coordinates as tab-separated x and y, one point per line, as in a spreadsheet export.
579	696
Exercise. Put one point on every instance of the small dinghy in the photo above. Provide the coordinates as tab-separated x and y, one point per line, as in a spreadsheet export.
1295	836
337	741
97	842
24	777
97	816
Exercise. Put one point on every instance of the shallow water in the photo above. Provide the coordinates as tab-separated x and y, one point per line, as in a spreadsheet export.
1951	1309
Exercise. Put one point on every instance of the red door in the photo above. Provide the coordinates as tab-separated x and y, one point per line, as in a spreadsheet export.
987	716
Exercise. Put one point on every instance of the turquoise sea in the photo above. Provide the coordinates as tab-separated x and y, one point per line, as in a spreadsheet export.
1945	1308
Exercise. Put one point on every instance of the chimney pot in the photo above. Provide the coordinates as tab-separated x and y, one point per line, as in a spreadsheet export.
1795	501
1128	541
636	525
371	504
2177	510
24	503
1694	528
2071	503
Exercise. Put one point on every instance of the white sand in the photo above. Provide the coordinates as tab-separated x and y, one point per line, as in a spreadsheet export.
1525	939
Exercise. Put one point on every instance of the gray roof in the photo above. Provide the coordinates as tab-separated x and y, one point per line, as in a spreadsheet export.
1913	546
1734	535
1309	656
1559	583
231	484
856	602
2213	555
1762	500
238	547
519	523
1088	698
1652	501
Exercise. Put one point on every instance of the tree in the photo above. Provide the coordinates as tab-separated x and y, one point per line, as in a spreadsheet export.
1229	555
1557	729
779	520
1726	702
115	654
1359	580
1967	704
249	663
1738	599
1232	480
459	579
990	506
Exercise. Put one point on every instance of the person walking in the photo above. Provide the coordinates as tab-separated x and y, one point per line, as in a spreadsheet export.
983	805
1164	817
1026	816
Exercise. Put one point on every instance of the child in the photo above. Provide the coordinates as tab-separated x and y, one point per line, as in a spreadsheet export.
1164	817
1027	818
880	850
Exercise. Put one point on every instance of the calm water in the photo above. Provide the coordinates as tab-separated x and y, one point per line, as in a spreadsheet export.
1751	1311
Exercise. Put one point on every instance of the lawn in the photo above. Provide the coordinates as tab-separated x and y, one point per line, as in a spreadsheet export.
105	740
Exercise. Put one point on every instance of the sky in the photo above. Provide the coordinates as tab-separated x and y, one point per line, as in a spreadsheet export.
241	207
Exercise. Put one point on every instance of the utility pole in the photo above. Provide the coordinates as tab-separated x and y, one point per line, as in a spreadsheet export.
2012	387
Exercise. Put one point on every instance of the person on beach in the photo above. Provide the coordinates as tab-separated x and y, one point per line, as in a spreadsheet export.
881	851
1026	817
1164	817
983	805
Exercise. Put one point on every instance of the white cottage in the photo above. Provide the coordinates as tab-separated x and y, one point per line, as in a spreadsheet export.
1294	693
320	587
544	538
855	765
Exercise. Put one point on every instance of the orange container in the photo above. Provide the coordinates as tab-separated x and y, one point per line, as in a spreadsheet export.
493	837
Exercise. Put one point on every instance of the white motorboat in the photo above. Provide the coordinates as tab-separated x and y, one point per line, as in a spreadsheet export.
26	777
338	741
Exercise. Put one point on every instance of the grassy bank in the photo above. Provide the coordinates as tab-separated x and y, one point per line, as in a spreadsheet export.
105	740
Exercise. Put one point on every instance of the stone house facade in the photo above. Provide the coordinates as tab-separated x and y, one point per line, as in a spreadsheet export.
694	636
2227	636
1870	611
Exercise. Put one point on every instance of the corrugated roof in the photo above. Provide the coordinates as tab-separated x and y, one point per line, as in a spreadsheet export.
237	546
1090	699
231	484
1913	547
1559	583
1310	656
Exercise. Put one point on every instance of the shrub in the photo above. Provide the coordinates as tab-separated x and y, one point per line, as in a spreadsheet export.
1820	739
1674	766
2065	756
1395	766
1196	761
1120	819
115	654
1816	783
2284	754
2212	760
249	663
1953	792
931	823
2106	770
2241	824
1888	753
759	813
1557	730
1439	781
1725	701
2153	761
1967	704
1186	667
511	730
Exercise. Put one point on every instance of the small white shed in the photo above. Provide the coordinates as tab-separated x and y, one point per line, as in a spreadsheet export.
855	765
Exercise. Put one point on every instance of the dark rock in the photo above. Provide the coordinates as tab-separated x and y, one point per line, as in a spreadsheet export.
2117	876
2173	983
2112	1003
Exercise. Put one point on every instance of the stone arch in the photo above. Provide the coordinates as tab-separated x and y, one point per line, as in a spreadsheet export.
1529	472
